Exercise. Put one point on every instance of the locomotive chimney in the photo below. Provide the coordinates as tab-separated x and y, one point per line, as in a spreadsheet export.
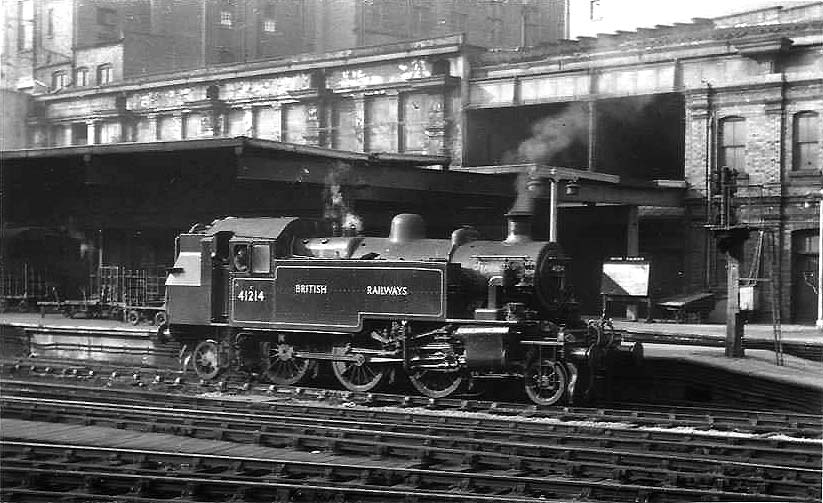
521	215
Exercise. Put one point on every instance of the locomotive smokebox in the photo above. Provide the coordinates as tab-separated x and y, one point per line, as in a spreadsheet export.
521	217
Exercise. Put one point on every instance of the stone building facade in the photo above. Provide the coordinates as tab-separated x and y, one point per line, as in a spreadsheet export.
399	98
52	45
666	106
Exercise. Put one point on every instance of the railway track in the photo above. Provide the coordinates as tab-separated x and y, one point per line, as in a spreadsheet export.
39	471
651	462
584	453
759	422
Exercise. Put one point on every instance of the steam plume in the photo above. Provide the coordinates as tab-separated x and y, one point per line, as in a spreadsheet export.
336	208
552	135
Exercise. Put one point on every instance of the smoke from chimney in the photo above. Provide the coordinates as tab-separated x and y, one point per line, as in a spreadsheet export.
336	208
551	135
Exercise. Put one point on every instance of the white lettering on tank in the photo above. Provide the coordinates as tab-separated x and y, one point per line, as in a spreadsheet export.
311	289
396	290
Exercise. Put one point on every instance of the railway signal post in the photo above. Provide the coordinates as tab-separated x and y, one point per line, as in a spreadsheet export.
730	239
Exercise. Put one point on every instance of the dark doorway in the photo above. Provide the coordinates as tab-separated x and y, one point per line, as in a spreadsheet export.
805	250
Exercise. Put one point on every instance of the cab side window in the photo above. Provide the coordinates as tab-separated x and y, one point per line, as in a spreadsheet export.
261	258
240	258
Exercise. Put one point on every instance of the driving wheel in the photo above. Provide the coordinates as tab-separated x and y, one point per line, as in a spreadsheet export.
358	374
436	384
545	382
206	359
283	368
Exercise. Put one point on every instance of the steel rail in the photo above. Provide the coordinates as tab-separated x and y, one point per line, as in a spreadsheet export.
406	415
513	428
270	429
733	420
250	475
432	448
682	471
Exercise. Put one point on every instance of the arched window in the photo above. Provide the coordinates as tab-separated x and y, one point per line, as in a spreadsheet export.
104	74
733	144
806	141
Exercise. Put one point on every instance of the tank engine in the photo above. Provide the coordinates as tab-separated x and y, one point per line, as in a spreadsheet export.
277	295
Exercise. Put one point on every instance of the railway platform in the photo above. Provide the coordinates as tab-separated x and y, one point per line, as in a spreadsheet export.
708	332
53	335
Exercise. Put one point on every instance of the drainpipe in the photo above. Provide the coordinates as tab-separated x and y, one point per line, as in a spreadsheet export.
708	175
820	263
553	209
204	35
592	136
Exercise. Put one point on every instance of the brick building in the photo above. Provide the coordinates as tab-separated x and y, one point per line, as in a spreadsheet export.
668	107
81	43
742	92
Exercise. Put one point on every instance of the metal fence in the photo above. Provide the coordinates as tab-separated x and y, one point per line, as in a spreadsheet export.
25	285
116	285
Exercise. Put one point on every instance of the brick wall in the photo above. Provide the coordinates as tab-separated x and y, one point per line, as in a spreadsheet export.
778	198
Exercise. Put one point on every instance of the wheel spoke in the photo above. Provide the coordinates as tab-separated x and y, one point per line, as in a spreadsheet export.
545	382
436	384
283	368
206	360
358	376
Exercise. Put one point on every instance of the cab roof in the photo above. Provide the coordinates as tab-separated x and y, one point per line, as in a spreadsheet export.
259	227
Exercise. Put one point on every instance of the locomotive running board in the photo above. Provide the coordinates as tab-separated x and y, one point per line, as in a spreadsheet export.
471	321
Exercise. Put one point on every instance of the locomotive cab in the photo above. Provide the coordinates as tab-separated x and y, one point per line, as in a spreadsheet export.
210	258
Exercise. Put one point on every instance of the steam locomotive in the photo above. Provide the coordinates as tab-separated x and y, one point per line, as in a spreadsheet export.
269	295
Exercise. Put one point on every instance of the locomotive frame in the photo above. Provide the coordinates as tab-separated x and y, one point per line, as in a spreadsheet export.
267	295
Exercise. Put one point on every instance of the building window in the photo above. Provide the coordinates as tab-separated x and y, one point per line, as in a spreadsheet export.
225	18
50	23
225	55
733	144
459	21
806	145
58	80
496	31
106	16
79	134
81	77
421	20
269	25
104	75
25	25
594	11
376	13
